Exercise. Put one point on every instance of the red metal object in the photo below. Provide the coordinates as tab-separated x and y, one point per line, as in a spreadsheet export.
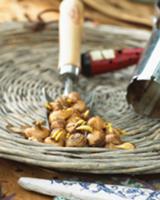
98	62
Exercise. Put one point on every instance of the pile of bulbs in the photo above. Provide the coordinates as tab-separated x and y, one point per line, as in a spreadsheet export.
71	125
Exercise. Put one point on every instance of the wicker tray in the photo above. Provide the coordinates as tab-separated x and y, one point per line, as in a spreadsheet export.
28	64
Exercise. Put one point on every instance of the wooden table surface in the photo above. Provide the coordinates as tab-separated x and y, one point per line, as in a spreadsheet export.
11	171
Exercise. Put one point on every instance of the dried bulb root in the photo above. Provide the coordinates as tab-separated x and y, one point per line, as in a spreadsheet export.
79	106
60	114
58	135
59	123
74	96
113	138
85	128
96	139
123	146
76	140
49	140
96	123
126	146
36	133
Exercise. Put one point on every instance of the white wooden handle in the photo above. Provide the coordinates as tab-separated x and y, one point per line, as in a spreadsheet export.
70	32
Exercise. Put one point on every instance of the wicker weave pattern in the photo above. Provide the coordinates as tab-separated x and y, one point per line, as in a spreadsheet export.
28	65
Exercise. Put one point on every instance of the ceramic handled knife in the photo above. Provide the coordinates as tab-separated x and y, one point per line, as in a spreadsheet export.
74	190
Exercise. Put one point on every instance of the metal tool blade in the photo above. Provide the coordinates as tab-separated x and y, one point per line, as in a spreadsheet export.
68	86
149	99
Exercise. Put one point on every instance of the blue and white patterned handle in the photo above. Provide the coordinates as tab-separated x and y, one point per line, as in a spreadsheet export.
83	190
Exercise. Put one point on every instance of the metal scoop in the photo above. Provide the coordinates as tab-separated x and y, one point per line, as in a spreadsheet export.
144	90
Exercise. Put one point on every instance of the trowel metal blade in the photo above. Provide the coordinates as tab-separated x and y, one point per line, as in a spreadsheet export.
149	99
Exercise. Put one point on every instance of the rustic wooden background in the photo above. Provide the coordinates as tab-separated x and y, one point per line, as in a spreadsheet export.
123	13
